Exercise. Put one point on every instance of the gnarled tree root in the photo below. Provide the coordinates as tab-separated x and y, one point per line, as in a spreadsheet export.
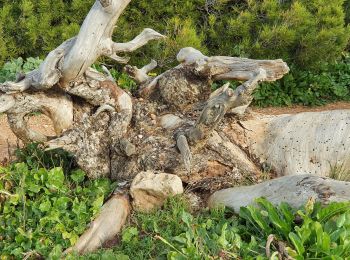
105	227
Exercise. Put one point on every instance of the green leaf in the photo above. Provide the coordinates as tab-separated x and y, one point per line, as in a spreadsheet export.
274	216
55	178
332	210
45	206
296	241
186	218
129	234
62	203
78	176
341	220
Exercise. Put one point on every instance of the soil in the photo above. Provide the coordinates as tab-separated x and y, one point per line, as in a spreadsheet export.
41	123
9	142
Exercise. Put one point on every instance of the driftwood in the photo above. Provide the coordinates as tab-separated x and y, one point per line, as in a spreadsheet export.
295	190
105	227
173	124
172	121
306	143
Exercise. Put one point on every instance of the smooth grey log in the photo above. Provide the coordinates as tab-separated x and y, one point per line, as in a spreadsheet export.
295	190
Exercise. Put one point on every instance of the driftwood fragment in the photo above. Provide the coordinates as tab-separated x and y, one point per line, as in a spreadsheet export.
295	190
105	227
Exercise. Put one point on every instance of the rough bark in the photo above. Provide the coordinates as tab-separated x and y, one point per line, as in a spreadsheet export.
171	126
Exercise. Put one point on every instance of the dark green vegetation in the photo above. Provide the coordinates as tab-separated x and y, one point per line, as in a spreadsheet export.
45	206
304	32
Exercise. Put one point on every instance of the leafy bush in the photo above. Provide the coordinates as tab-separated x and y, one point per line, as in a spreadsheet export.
10	70
332	83
304	32
313	232
43	210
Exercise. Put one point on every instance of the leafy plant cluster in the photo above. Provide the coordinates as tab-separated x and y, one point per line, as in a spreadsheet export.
331	83
45	206
11	69
313	232
43	209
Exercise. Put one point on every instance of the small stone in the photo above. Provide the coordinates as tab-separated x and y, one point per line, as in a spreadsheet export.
170	121
154	122
128	148
149	190
153	116
140	136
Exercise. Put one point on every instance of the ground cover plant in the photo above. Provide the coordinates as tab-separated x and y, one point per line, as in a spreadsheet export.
44	209
313	232
45	206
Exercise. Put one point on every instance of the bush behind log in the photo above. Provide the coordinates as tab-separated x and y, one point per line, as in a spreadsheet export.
303	32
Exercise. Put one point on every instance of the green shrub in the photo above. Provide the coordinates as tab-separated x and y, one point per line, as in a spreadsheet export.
44	210
10	70
304	32
331	83
33	28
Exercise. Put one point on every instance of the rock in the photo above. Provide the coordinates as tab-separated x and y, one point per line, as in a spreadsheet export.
149	190
170	121
128	148
295	190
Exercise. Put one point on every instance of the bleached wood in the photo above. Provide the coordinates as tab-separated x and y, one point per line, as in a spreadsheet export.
231	68
73	58
18	107
312	142
295	190
105	227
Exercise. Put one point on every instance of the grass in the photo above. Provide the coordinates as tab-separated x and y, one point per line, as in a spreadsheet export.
339	172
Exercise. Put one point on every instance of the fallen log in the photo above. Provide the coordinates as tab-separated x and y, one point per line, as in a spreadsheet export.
295	190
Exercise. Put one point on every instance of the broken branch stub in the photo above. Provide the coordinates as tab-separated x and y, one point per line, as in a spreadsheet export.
105	227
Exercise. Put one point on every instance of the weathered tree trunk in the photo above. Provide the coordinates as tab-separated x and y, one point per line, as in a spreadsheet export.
306	143
295	190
